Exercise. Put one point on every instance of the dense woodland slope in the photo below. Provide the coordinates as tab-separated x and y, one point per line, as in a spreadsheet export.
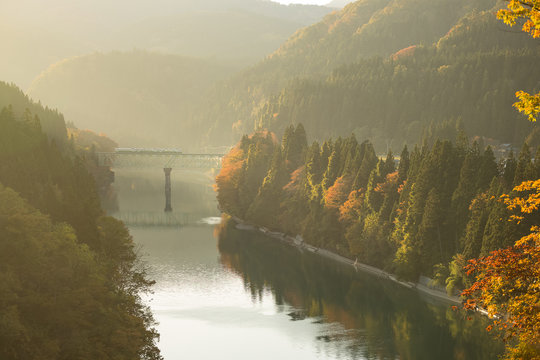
71	280
469	76
465	72
51	121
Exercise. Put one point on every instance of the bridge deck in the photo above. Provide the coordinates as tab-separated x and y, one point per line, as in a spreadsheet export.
154	158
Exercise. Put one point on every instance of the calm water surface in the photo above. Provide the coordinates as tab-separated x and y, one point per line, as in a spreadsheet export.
222	293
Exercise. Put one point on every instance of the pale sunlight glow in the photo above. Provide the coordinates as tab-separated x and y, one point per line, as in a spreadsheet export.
305	2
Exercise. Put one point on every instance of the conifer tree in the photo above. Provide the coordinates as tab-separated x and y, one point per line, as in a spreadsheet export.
265	207
466	189
430	241
332	172
369	161
404	163
314	167
487	171
471	242
374	197
509	171
523	166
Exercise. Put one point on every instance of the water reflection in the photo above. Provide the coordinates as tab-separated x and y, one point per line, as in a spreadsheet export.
252	298
204	311
372	318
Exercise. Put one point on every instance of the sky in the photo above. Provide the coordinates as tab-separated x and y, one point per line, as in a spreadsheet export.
313	2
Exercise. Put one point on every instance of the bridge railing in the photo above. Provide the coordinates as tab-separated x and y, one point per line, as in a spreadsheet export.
159	159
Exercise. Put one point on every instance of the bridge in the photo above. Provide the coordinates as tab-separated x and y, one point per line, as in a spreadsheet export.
139	158
166	159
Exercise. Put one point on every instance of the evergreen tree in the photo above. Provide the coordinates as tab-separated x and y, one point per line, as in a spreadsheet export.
523	166
509	171
430	242
471	242
265	208
369	161
314	165
404	163
466	189
332	172
488	170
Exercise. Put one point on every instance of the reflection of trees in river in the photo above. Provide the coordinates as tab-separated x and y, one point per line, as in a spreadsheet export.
381	319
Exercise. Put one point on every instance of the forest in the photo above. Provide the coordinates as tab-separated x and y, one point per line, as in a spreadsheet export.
413	215
71	280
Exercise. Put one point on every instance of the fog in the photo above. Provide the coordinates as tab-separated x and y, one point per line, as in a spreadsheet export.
36	34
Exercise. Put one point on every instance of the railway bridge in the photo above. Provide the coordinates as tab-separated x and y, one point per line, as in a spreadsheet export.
166	159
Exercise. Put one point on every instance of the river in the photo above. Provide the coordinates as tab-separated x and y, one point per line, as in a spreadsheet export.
222	293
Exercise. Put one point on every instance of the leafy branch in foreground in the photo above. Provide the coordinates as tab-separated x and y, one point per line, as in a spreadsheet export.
508	280
528	104
522	9
528	10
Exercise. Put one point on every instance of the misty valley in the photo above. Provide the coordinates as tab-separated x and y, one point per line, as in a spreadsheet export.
244	179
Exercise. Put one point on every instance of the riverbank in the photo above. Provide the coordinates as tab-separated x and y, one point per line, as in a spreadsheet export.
299	243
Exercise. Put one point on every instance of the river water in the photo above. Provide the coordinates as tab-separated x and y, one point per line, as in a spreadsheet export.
222	293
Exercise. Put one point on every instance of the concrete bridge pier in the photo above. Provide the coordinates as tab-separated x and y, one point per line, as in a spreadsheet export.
168	207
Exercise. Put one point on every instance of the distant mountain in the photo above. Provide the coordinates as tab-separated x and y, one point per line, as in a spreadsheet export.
234	35
36	34
137	98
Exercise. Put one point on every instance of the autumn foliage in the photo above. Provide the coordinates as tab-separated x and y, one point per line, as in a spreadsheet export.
529	12
508	280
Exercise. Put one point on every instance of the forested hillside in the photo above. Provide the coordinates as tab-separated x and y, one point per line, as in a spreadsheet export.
470	76
365	28
138	98
427	215
71	280
51	121
477	65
